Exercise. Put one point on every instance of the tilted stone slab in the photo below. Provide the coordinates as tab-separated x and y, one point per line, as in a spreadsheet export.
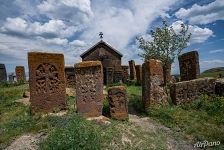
118	102
47	81
138	69
187	91
189	66
70	76
89	88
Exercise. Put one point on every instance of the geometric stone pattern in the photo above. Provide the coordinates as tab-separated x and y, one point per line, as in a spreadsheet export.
118	102
138	69
189	66
3	75
89	88
187	91
70	76
132	70
20	73
46	81
153	92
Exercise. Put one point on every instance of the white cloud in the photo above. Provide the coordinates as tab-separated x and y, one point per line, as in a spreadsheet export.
57	41
202	14
75	11
216	51
199	35
212	63
52	28
78	43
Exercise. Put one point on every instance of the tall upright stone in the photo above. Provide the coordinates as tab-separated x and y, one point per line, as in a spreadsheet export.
109	75
46	81
153	92
125	74
118	102
89	88
132	70
138	69
20	73
189	66
118	76
3	75
70	76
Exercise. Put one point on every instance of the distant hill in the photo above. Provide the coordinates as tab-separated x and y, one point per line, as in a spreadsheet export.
213	72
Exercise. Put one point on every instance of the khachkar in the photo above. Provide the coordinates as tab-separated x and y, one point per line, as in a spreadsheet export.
153	92
132	70
109	75
70	76
89	88
46	81
20	73
3	75
125	74
189	66
118	102
138	69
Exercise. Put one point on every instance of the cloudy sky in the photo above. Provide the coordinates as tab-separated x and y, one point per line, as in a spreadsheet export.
72	26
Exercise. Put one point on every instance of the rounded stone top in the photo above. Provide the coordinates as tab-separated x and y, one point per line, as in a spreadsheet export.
86	64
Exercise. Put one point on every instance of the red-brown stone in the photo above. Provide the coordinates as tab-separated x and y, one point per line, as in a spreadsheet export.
118	102
153	92
89	88
20	73
46	81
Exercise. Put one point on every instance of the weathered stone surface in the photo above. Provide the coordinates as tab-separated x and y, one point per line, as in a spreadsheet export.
132	70
138	69
26	94
47	81
153	92
20	73
70	91
70	76
3	75
118	102
219	87
109	75
125	74
187	91
89	88
189	66
118	75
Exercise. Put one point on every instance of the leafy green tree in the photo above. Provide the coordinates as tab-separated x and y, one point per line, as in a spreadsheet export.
166	45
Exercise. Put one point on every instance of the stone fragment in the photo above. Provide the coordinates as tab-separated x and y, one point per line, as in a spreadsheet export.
20	73
153	91
138	69
26	94
118	102
3	75
188	91
89	88
189	66
132	70
46	81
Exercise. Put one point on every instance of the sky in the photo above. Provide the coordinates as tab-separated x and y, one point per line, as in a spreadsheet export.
72	26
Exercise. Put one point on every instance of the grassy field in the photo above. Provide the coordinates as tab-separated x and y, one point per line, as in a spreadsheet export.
199	121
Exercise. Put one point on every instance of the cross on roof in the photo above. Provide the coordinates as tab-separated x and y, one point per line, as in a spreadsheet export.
101	35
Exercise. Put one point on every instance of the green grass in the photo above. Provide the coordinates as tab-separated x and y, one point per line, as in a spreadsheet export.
212	74
199	121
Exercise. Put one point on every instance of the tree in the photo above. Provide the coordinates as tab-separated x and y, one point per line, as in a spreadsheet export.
166	45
